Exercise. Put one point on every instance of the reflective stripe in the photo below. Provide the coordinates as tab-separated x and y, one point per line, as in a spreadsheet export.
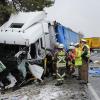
61	62
60	77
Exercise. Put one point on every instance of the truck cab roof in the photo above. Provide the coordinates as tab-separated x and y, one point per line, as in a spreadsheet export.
23	28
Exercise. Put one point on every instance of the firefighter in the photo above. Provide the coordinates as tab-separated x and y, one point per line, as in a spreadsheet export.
85	60
71	60
60	58
78	59
72	47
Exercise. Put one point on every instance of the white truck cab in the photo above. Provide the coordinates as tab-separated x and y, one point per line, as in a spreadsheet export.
25	30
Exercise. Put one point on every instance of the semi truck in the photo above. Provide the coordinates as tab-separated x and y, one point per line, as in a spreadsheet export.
32	33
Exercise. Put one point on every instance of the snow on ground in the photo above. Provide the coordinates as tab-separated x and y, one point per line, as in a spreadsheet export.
70	90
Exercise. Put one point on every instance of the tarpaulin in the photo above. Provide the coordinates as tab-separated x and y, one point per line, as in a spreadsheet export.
66	35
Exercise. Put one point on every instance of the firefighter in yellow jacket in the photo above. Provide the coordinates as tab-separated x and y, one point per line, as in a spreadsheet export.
78	59
60	57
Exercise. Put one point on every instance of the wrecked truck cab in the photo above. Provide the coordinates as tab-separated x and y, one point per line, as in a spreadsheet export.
24	30
23	39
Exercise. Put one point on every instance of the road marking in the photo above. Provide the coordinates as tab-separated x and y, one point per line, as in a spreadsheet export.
93	92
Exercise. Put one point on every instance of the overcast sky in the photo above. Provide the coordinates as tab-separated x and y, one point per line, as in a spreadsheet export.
80	15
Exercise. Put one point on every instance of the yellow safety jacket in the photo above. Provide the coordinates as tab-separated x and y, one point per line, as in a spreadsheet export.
88	50
61	58
88	55
78	58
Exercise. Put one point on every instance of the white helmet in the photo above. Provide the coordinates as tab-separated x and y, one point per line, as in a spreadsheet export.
71	44
76	44
71	47
61	46
83	40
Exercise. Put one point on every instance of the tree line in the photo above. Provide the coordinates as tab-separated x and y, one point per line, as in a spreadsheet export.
10	6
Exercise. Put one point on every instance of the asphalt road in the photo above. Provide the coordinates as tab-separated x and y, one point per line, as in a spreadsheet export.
95	85
94	82
70	90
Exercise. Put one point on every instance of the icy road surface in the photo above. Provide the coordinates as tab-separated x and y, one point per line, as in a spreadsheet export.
70	90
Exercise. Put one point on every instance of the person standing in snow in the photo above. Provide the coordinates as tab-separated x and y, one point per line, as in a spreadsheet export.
78	59
60	57
85	60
